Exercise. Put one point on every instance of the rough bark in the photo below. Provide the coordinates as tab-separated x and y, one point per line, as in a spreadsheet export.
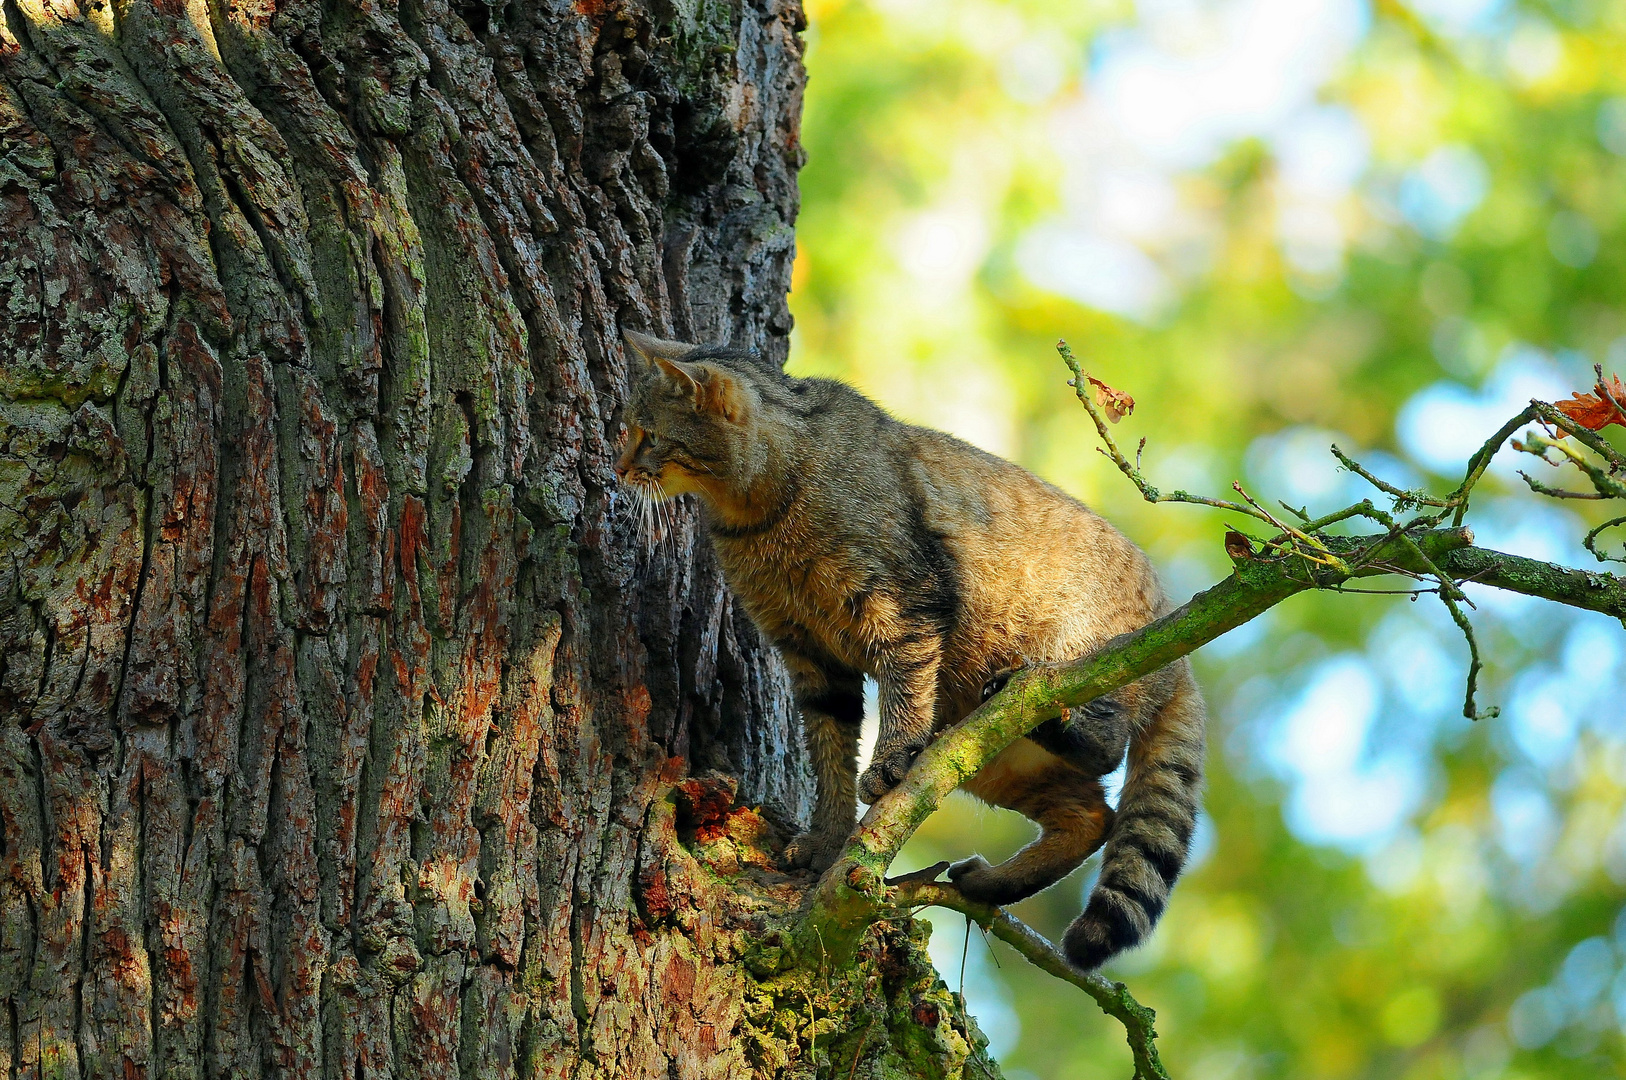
348	726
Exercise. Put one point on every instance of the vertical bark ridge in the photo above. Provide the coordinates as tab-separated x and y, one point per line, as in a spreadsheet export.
339	692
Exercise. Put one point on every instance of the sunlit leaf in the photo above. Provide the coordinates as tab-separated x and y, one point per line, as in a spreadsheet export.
1598	409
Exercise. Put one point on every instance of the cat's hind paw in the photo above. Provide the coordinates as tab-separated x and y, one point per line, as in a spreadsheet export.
965	867
812	851
979	881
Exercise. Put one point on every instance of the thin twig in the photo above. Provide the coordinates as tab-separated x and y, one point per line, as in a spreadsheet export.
1080	383
1608	394
1339	515
1558	493
1590	540
1297	511
1404	500
1390	568
1113	997
1384	592
1449	595
1458	499
992	955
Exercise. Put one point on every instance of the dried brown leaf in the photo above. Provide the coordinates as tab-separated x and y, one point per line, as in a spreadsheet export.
1116	403
1238	546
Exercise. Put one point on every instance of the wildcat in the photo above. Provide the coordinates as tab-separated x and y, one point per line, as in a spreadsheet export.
861	545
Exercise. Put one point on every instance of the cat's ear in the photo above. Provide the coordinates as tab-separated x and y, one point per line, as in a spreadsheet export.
718	393
714	390
654	349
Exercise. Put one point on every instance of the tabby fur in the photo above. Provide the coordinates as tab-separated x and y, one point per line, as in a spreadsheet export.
862	545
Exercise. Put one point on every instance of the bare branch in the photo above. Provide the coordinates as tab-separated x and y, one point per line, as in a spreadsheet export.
1608	394
1590	541
1458	499
1558	493
1451	596
1080	382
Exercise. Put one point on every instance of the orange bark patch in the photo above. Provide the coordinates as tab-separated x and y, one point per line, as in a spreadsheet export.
703	803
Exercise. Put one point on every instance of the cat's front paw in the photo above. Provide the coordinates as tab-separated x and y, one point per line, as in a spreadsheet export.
886	771
813	851
996	682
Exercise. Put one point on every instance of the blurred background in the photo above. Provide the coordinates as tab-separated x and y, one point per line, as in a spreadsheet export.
1277	224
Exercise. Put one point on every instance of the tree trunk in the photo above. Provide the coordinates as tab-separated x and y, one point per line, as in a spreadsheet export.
350	726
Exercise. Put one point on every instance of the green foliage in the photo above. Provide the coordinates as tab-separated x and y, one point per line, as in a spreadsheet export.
1474	935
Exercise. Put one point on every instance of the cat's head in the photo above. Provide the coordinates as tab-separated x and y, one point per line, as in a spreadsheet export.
692	420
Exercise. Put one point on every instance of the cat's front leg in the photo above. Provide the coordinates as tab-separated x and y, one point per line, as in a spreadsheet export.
832	707
907	675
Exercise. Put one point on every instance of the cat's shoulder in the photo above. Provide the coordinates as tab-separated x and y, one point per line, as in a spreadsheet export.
831	399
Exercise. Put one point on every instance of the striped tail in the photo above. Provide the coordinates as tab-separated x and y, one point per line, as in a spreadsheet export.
1157	812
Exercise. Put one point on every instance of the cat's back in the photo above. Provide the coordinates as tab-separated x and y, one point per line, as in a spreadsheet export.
870	473
1039	571
984	499
854	457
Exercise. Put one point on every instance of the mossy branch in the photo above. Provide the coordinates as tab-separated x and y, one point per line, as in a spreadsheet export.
844	902
1590	590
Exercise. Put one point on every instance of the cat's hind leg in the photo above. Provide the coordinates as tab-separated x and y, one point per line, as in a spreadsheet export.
831	702
1092	737
1069	807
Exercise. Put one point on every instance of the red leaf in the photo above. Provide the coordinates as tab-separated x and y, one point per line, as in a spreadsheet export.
1595	410
1117	403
